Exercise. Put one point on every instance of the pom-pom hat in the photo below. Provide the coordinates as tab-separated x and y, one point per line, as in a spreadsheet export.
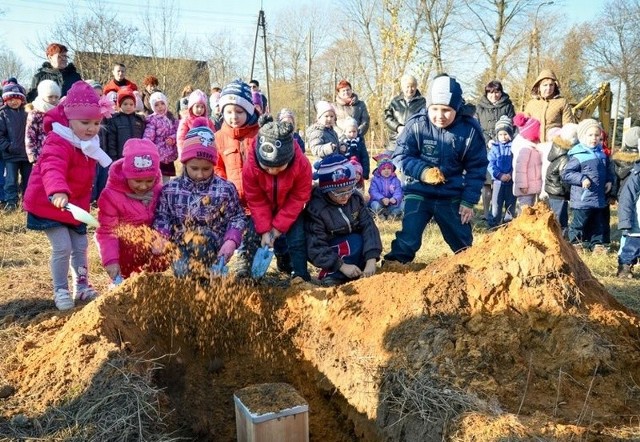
82	103
140	159
275	144
584	126
504	124
335	172
199	143
239	93
528	127
13	90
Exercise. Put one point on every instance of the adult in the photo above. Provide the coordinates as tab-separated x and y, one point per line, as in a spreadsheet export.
401	107
547	105
494	104
119	80
183	101
349	106
56	68
150	85
255	88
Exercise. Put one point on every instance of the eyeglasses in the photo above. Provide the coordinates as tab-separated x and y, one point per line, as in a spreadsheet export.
343	193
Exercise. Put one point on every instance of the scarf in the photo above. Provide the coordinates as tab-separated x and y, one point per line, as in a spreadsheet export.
145	197
42	106
90	148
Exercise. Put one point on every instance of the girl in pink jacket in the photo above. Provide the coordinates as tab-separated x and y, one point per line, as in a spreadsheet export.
127	206
64	174
527	170
161	129
198	107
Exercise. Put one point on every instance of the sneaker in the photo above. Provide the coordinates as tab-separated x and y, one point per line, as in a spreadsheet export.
283	262
87	293
624	271
63	299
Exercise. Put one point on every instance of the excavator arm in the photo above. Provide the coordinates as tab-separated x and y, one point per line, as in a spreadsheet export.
601	100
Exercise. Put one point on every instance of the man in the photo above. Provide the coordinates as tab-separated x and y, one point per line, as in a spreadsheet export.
119	81
402	107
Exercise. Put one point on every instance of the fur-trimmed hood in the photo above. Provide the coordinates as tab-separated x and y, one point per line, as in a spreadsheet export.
561	143
626	156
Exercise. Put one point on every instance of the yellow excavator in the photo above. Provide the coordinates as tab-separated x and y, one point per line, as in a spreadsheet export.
601	100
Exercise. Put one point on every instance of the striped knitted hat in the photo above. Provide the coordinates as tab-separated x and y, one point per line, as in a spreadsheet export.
239	93
335	172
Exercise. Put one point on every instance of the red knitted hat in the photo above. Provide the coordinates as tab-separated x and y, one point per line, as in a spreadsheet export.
528	127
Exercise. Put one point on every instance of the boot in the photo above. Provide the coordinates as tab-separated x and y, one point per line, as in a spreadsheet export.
283	262
624	271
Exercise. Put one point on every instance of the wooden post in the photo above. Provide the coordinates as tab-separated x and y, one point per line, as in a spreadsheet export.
271	412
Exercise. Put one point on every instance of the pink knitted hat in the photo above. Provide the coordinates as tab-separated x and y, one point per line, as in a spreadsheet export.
528	127
140	159
323	107
199	143
82	103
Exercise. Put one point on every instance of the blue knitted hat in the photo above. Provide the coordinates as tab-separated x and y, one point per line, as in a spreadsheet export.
335	172
445	90
239	93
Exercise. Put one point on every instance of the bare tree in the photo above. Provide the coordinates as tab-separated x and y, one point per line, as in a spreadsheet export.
11	65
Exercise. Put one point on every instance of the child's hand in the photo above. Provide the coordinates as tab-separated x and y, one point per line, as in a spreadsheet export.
369	268
343	148
351	270
524	190
586	183
267	239
505	178
170	141
385	201
607	188
466	214
392	201
113	270
227	250
59	200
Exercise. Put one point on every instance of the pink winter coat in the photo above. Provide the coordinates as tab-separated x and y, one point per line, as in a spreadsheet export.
186	123
158	129
117	209
61	168
527	169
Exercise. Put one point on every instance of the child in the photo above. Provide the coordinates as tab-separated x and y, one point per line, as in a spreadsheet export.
443	155
629	222
323	139
64	173
47	99
123	125
196	107
13	120
235	141
277	183
590	178
287	116
527	176
624	159
501	171
342	238
161	128
199	211
352	145
385	189
214	104
127	207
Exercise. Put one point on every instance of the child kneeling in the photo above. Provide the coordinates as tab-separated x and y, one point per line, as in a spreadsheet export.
342	238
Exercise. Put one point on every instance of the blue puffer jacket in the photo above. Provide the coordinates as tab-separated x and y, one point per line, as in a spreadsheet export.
629	202
500	160
594	165
458	151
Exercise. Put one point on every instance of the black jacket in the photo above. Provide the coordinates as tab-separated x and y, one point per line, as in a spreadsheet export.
558	159
64	77
399	111
121	127
13	124
623	163
488	114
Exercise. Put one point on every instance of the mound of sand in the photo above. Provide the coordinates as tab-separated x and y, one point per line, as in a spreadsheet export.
514	333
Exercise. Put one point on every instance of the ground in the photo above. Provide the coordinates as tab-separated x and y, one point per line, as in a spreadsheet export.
513	339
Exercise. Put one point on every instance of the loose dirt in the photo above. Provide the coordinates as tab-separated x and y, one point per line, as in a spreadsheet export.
513	339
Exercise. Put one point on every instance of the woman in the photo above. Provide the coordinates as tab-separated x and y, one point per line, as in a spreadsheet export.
547	106
56	68
494	104
349	106
150	85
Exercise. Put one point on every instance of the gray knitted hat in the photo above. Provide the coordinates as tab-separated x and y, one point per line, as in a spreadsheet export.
630	138
505	124
275	144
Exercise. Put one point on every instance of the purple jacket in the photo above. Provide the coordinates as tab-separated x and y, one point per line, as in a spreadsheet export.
158	129
382	187
210	208
34	137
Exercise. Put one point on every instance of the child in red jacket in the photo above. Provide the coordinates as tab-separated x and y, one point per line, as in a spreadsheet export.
277	185
127	207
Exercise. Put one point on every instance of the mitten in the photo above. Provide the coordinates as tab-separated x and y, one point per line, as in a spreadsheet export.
227	249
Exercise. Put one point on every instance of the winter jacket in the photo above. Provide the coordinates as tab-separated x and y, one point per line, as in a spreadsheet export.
551	112
158	129
13	124
34	134
298	139
146	95
115	86
120	128
385	187
558	159
527	169
399	111
357	148
117	210
321	139
63	77
234	144
458	151
500	160
594	165
489	113
184	126
355	109
210	208
326	220
276	200
629	202
623	163
61	168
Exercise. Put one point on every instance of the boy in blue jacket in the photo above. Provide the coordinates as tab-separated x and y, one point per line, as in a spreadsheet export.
443	155
629	222
590	178
501	170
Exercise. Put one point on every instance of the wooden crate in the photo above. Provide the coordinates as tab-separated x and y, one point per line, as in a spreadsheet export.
271	413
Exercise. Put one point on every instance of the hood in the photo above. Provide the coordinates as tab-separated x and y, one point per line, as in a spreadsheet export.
545	73
55	115
561	143
626	156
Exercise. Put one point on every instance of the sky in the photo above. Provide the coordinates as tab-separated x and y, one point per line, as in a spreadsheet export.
24	21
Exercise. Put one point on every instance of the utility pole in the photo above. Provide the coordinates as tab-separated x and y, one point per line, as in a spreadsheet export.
309	102
261	25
